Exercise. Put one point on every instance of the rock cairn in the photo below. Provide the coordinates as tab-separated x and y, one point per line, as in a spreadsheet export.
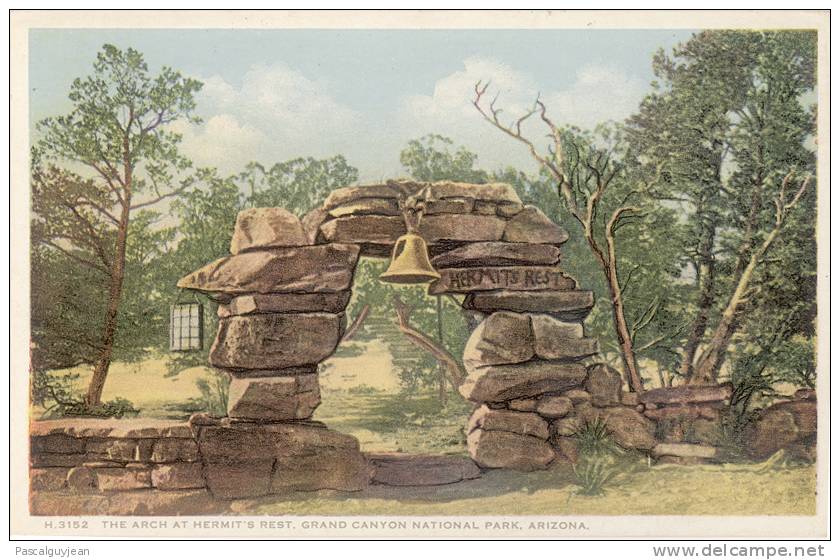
281	313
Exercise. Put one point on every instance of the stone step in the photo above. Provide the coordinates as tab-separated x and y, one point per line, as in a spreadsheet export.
402	469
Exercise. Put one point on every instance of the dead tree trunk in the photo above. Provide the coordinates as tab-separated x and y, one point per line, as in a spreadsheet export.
356	324
456	372
710	361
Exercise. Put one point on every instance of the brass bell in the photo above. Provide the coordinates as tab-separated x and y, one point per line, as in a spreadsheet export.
410	262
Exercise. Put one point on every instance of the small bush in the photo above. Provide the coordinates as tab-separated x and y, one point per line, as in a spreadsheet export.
598	461
594	438
593	471
214	393
59	397
116	408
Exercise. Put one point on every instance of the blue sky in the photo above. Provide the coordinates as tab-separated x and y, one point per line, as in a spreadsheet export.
272	95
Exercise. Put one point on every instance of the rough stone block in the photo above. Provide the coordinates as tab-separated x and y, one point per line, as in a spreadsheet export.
532	226
123	478
178	476
604	384
285	303
400	469
523	423
508	382
56	443
319	268
565	305
554	406
518	278
173	450
558	340
497	449
49	479
232	479
496	253
81	479
501	338
266	227
329	470
628	428
274	398
275	341
112	449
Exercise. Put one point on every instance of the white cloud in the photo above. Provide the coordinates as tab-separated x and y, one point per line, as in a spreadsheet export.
221	141
275	114
598	94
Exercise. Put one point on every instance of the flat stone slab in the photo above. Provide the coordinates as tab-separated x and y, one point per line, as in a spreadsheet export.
496	192
402	469
508	382
519	278
385	230
250	304
567	305
320	268
684	450
275	341
497	253
687	394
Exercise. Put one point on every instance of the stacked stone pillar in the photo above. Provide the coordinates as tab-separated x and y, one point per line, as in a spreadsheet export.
281	314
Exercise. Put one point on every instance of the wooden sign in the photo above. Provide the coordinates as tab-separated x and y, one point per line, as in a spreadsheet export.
465	280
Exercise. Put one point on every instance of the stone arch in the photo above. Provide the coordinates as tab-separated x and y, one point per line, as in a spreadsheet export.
283	292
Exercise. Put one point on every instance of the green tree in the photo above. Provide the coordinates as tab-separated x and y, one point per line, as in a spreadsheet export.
298	185
118	132
771	166
432	158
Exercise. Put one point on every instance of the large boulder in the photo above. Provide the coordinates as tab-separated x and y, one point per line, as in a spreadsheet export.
788	425
501	338
249	459
275	341
321	268
507	382
328	302
532	226
604	384
496	253
558	340
266	227
519	278
274	398
498	449
571	305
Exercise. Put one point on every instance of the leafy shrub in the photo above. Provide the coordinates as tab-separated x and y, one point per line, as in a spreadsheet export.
59	397
214	393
